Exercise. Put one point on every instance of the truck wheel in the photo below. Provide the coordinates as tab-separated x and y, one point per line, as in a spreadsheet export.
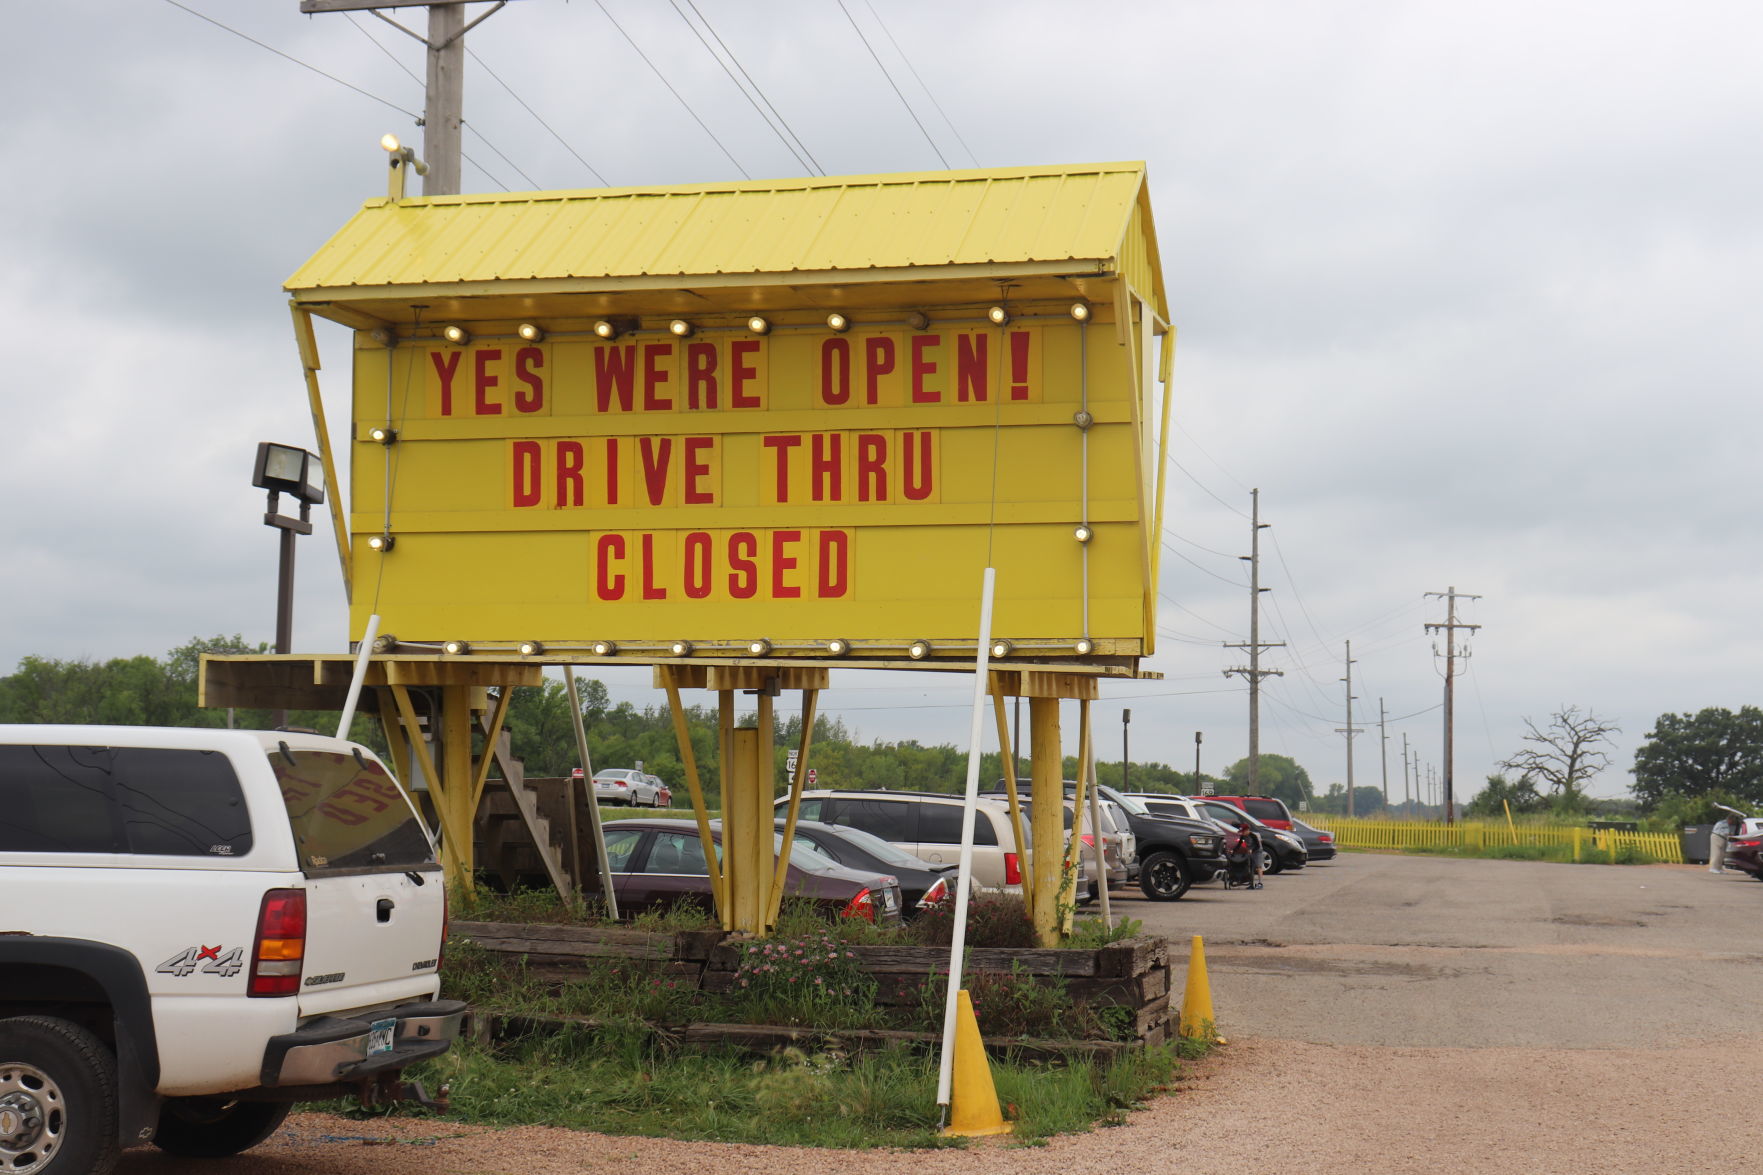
210	1128
1163	876
57	1099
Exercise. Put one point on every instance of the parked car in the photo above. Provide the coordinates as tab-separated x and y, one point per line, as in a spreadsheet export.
922	886
1284	849
620	785
1744	849
1267	809
927	825
1319	843
663	793
1117	845
658	863
1172	852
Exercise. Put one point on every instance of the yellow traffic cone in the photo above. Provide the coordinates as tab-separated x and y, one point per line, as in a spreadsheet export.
1196	1003
973	1099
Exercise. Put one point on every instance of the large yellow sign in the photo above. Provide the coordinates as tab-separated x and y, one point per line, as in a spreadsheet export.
775	481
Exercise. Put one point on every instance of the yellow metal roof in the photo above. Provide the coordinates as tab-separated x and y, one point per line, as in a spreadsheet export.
1090	219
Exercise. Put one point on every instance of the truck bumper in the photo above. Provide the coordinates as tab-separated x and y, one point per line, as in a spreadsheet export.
331	1049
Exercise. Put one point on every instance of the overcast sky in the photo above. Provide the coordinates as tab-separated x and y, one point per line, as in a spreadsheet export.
1470	292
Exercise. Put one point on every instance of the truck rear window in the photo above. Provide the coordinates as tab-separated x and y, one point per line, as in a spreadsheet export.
1266	810
152	801
347	812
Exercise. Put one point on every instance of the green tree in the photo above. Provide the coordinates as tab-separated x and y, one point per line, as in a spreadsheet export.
1491	801
1283	779
1712	750
1564	755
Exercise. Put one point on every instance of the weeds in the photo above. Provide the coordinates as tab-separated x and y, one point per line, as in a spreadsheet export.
812	979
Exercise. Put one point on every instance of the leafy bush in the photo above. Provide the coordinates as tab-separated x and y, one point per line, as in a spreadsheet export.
812	979
993	920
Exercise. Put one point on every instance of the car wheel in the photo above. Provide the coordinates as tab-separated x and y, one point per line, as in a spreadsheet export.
57	1099
210	1128
1163	877
1273	864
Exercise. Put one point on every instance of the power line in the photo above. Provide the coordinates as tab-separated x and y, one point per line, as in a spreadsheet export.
809	162
548	128
663	77
974	159
1237	583
1180	468
890	78
289	57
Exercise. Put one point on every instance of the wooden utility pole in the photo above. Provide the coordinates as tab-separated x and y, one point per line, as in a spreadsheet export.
443	111
1407	799
1349	729
1254	673
1383	751
1449	627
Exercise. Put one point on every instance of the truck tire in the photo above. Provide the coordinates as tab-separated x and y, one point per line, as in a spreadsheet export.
57	1099
1163	876
212	1128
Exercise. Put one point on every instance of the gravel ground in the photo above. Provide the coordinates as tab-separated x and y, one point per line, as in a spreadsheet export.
1386	1015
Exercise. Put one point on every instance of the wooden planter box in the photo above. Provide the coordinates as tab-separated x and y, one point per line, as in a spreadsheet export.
1132	974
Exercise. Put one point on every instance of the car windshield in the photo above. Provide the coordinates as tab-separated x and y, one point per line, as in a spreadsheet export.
1135	806
804	855
878	848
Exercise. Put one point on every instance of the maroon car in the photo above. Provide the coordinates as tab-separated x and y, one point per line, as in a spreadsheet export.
657	864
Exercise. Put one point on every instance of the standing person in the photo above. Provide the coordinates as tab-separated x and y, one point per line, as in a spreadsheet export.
1725	829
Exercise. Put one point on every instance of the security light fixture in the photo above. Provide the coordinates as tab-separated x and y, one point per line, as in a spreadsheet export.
918	650
381	542
680	648
1080	311
385	643
998	315
837	647
532	332
285	469
605	649
758	325
531	648
381	435
838	322
1002	648
457	335
456	648
680	327
1082	533
759	648
402	159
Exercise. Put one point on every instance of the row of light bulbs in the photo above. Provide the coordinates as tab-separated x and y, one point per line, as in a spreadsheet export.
606	328
385	541
918	650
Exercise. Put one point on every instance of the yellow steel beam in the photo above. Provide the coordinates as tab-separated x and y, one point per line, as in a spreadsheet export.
809	700
683	736
1023	854
457	795
491	734
333	491
458	870
725	753
1048	796
1078	799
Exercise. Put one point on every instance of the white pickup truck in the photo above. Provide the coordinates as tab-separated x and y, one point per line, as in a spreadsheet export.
198	928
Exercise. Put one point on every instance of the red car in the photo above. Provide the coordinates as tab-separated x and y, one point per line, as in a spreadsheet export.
657	864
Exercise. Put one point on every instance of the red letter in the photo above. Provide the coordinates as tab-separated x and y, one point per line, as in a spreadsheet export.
781	563
650	590
922	367
740	374
486	381
783	444
915	479
613	368
971	376
835	564
701	373
569	473
743	575
446	367
656	452
878	360
612	471
608	586
835	370
872	467
527	361
654	376
526	473
696	470
697	565
826	466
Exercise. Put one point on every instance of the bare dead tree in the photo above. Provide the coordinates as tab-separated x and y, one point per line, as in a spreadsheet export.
1565	754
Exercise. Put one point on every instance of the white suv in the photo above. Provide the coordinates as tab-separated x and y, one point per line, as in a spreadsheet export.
927	825
199	927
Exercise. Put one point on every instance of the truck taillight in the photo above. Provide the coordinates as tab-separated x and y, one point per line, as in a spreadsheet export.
1012	869
281	944
1089	841
861	906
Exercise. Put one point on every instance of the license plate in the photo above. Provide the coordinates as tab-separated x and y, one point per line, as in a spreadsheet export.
381	1037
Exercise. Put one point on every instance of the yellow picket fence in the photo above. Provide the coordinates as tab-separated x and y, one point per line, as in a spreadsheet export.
1398	835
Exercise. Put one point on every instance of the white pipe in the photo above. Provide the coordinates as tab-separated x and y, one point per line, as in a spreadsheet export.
361	659
964	879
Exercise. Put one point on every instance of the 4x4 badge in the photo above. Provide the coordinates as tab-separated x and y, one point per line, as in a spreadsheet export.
214	963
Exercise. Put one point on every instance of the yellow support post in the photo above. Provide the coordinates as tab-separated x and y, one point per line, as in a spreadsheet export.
456	768
1048	797
457	869
810	699
683	736
1023	854
1068	887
